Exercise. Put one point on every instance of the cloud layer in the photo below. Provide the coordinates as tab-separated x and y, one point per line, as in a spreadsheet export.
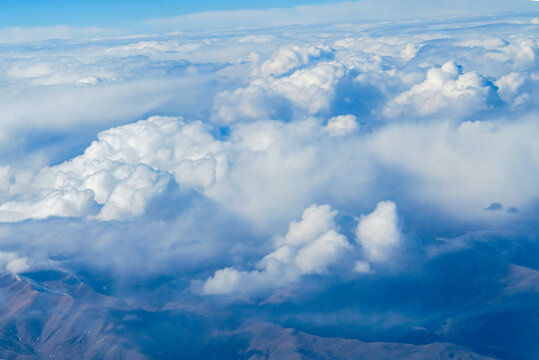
371	180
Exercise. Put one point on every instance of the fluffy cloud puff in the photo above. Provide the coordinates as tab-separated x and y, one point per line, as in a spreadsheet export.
121	172
12	263
445	88
310	246
291	57
378	234
341	125
295	80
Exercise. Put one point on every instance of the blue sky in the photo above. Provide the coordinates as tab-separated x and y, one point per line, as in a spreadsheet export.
128	17
119	12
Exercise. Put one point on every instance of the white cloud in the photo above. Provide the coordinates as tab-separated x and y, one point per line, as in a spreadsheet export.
341	125
315	221
311	89
378	233
310	247
65	203
256	171
290	57
151	47
363	267
462	168
324	251
75	106
298	79
262	38
396	47
121	171
509	88
12	263
446	89
522	53
252	102
34	34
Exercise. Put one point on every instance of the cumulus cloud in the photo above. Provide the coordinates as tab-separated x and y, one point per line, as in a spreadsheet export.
378	233
254	102
294	79
341	125
289	58
445	88
510	88
310	246
69	203
121	172
12	263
